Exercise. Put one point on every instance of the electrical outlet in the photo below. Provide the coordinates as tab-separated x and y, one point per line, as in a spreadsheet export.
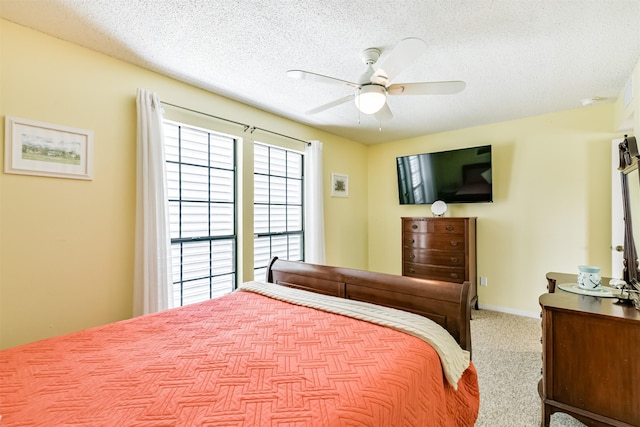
483	281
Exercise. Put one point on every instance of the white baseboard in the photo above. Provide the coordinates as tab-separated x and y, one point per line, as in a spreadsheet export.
510	311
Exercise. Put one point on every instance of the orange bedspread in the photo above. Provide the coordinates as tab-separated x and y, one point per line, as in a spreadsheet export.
240	360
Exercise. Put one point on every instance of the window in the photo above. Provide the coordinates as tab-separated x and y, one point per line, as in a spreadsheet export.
277	210
201	183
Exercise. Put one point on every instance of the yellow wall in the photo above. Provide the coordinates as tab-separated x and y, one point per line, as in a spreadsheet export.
551	209
66	246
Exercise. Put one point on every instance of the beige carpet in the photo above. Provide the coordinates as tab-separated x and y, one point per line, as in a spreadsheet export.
507	356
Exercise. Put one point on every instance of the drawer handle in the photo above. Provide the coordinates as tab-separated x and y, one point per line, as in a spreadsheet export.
454	243
412	256
454	275
449	227
411	270
414	226
454	259
412	241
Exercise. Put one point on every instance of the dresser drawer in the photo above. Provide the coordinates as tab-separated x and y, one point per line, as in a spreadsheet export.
448	226
455	275
434	225
442	242
415	225
443	258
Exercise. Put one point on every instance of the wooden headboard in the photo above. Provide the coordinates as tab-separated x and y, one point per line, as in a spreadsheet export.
445	303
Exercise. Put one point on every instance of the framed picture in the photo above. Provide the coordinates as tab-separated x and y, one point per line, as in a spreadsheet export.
45	149
339	185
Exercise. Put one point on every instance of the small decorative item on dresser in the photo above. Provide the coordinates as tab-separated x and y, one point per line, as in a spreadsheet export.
626	293
438	208
589	277
632	292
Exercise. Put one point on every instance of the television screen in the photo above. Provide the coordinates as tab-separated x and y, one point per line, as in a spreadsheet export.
454	176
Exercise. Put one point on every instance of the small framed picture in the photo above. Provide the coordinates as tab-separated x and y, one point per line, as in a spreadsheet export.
45	149
339	185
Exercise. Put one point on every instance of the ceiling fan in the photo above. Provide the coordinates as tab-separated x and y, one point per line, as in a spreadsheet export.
374	85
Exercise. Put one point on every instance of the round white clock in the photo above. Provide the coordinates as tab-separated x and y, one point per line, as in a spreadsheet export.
438	208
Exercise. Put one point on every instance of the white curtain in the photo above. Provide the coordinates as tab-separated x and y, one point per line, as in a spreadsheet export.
314	205
152	277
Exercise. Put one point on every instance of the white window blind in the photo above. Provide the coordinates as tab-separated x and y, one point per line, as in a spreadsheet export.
201	184
278	206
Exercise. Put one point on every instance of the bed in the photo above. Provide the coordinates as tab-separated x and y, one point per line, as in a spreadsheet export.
312	345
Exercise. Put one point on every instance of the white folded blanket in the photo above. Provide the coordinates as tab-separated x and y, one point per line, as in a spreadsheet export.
453	358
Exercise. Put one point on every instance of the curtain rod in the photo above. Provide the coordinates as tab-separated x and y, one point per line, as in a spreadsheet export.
246	127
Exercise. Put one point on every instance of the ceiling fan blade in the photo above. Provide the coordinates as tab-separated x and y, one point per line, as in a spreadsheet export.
427	88
403	54
307	75
365	77
384	113
331	104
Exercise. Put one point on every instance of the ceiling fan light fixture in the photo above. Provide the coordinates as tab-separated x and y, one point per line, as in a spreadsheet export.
370	98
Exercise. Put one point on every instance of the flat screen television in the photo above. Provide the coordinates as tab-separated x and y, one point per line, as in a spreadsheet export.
453	176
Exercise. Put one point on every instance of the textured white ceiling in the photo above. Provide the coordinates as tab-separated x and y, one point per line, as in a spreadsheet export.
518	57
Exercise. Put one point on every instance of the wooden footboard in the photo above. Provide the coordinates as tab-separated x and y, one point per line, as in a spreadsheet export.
445	303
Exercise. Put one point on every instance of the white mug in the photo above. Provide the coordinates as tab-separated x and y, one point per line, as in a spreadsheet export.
589	277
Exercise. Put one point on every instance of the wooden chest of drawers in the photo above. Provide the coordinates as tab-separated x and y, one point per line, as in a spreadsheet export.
440	249
590	357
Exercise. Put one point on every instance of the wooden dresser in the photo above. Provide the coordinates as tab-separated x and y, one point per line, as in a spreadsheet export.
591	357
441	248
